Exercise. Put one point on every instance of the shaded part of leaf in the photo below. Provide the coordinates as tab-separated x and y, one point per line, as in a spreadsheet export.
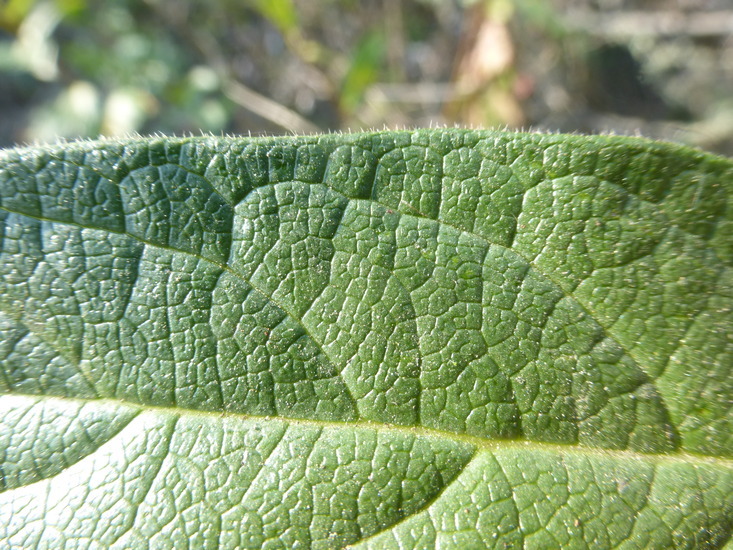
46	185
240	166
39	438
153	198
570	381
148	337
196	337
365	320
30	366
699	376
463	389
351	171
225	169
283	241
536	499
97	498
66	283
173	208
36	291
162	351
268	364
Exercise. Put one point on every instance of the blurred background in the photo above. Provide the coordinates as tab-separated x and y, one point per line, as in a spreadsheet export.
84	68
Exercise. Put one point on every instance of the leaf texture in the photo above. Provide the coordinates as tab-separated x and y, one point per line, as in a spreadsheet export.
439	338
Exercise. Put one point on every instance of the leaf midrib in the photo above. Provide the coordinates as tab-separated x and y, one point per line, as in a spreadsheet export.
479	443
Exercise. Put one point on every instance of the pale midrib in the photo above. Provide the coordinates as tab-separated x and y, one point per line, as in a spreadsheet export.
480	444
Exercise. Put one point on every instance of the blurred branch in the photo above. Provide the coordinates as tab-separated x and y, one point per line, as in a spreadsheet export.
652	23
233	89
267	108
246	97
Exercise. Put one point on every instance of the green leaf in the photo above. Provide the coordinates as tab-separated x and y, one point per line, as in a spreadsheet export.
450	338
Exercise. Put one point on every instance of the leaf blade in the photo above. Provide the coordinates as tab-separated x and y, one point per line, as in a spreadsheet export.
471	286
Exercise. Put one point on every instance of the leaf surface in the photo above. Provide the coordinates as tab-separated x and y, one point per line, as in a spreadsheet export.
400	339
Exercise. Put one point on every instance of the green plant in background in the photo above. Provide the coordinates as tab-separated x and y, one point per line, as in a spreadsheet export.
390	340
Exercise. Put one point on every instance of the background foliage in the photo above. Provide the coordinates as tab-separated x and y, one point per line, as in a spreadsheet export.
72	68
